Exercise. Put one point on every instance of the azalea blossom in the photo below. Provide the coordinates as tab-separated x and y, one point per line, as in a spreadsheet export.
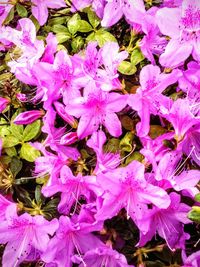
22	234
148	98
167	222
40	8
95	108
70	237
71	188
115	9
127	188
183	26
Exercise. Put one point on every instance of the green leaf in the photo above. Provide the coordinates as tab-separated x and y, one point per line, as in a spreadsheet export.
93	18
194	214
112	145
5	160
59	21
15	166
10	141
17	130
156	130
10	16
38	194
21	10
91	37
103	36
63	37
11	151
73	23
4	130
29	153
197	197
136	56
59	29
126	142
84	26
35	22
31	131
42	180
134	156
77	43
127	68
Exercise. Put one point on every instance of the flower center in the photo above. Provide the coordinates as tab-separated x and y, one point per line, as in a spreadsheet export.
191	24
191	19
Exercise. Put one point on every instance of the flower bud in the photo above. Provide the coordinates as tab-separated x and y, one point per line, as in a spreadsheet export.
28	117
69	138
63	114
3	103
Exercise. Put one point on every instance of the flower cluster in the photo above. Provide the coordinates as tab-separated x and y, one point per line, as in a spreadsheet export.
82	100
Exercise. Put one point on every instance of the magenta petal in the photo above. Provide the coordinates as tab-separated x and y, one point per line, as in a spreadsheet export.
3	103
168	20
28	117
113	124
87	125
40	11
112	13
175	53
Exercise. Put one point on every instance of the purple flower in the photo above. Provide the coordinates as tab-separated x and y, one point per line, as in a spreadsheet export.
191	145
68	138
5	8
60	108
181	117
71	188
100	66
182	25
3	103
168	223
102	256
28	117
105	161
95	108
115	9
22	234
4	205
97	6
127	188
148	98
40	8
192	261
70	237
50	49
25	39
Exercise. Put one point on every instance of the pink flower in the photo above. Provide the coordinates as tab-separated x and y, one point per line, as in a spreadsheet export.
100	66
5	8
102	256
127	188
40	8
182	118
115	9
167	222
105	161
182	25
148	98
71	188
28	117
22	234
3	103
70	237
96	108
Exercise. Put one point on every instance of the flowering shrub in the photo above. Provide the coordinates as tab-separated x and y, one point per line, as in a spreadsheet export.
100	133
